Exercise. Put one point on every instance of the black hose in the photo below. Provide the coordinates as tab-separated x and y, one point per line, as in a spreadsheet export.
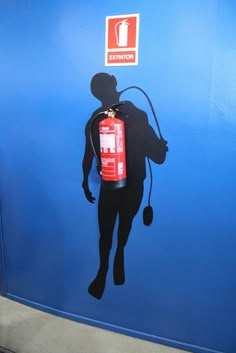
91	138
150	103
158	128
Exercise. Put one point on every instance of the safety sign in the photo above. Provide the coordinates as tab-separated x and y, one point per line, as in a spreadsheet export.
122	34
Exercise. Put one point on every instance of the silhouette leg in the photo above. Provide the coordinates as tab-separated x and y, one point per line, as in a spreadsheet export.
118	268
130	202
107	212
97	287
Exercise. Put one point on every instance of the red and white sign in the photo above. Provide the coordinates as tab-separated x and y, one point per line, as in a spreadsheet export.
122	34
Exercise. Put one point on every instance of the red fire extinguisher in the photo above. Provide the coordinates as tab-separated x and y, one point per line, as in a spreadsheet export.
112	151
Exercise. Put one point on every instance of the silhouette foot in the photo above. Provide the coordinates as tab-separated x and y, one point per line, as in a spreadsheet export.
97	287
118	269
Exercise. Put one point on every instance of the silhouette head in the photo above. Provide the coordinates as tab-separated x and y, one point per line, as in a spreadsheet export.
103	87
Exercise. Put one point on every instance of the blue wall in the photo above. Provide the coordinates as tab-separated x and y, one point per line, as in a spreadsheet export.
180	287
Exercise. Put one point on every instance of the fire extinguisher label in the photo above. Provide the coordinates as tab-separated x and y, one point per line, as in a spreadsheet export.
112	148
107	140
108	168
120	168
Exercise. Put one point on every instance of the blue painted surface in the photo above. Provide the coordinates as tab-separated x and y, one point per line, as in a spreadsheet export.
2	262
180	286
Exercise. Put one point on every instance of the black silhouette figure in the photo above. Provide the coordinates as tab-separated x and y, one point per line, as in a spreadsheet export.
141	143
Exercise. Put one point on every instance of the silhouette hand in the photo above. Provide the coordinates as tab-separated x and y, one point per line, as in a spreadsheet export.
164	145
89	196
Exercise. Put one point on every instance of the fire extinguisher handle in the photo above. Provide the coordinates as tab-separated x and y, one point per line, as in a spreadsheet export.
114	107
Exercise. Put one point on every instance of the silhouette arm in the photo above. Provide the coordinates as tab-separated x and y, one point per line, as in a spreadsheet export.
86	166
156	147
153	147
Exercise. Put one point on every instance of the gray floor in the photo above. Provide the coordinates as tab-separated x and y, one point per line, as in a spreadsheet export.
26	330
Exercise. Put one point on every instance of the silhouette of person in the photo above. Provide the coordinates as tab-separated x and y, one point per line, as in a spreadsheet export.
123	203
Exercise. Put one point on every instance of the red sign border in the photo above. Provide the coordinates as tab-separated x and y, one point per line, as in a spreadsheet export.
124	50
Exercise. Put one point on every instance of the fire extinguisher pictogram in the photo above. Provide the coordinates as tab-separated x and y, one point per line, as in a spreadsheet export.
121	31
112	150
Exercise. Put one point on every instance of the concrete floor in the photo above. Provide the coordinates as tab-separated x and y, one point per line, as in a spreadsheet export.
26	330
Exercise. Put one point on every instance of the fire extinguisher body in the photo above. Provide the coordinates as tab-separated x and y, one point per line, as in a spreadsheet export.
113	153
